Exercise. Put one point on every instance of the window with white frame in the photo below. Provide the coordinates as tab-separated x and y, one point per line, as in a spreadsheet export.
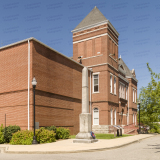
95	83
111	117
95	116
114	85
114	117
123	91
119	90
110	83
133	94
126	92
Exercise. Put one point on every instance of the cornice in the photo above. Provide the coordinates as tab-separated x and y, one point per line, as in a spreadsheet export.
95	25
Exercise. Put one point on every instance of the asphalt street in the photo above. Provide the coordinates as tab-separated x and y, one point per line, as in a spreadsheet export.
147	149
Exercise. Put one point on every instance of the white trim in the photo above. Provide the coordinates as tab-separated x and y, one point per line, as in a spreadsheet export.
10	45
96	73
111	82
102	65
95	31
94	116
104	34
92	57
93	81
113	58
28	78
115	117
112	39
115	85
132	78
111	116
95	25
89	32
133	94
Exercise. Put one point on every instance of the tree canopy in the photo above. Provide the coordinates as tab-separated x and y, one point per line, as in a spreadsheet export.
150	100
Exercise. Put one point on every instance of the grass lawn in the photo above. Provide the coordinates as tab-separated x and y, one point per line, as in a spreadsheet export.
105	136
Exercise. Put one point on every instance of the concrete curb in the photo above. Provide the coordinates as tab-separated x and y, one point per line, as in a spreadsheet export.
5	149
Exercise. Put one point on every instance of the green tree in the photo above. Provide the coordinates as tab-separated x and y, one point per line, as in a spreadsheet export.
150	100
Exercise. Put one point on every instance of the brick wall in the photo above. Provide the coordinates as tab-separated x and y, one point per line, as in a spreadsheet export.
14	84
59	88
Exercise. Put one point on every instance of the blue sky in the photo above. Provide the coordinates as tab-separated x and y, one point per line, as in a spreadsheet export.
51	22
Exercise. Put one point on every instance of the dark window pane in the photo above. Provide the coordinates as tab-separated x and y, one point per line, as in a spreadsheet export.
95	88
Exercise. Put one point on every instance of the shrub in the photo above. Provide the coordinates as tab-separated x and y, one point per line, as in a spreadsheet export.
155	128
152	130
45	136
1	134
8	131
62	133
24	137
51	128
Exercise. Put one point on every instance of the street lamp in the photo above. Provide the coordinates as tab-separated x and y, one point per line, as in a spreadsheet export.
139	103
34	83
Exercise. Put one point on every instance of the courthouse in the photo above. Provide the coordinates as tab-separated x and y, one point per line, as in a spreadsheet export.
112	85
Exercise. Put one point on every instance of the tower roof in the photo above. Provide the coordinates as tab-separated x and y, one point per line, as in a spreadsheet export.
95	16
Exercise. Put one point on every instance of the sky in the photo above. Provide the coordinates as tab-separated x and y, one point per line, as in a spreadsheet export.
51	22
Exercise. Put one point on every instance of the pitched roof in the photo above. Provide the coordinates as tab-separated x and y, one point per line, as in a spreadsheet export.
95	16
127	71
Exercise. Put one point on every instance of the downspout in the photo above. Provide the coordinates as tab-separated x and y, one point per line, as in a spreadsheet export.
128	105
90	91
28	78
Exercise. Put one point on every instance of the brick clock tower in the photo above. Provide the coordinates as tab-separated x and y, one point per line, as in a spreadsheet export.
95	45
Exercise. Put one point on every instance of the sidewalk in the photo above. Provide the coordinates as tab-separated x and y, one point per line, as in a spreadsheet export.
67	146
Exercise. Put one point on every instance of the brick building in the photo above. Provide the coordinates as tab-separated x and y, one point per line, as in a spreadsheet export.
113	87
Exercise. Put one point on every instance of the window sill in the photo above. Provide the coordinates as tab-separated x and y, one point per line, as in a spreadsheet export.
95	92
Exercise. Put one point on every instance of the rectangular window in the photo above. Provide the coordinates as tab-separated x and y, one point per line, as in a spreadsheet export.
95	83
119	90
110	83
114	85
133	95
115	117
111	117
126	92
123	91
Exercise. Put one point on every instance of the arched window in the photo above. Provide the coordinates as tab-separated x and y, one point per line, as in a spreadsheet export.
115	117
95	116
111	117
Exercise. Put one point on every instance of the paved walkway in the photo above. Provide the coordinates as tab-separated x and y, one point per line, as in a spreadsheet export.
67	146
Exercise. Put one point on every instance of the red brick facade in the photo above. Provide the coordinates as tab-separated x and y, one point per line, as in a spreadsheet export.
98	48
59	82
58	90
